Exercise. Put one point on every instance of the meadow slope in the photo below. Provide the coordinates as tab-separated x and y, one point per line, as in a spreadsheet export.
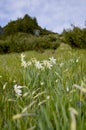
43	91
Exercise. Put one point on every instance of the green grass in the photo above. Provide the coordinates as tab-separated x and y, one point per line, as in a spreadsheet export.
47	94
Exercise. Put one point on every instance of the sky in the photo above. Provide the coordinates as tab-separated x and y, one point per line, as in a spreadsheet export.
54	15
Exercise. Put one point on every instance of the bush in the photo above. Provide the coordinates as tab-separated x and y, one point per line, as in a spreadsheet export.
23	42
4	47
76	37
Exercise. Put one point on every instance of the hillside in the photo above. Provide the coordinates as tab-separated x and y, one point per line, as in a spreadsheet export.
25	34
27	24
41	91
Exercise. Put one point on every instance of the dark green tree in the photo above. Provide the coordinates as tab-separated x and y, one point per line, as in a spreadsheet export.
26	24
76	37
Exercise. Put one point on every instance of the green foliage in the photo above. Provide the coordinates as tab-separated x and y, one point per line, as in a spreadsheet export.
23	42
20	35
4	47
25	24
76	37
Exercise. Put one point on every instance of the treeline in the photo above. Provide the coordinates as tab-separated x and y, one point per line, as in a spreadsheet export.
26	24
25	34
21	42
75	37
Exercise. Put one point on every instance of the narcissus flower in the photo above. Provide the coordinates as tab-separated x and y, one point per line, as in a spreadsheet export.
38	65
52	60
47	64
18	90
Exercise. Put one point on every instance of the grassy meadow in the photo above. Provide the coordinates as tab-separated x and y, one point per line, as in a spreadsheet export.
43	90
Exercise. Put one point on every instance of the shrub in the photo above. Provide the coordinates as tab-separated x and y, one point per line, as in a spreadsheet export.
23	42
4	47
76	37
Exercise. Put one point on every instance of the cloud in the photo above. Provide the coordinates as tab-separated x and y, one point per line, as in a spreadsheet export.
12	8
51	14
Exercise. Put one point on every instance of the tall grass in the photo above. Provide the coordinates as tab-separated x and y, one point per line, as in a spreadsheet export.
50	98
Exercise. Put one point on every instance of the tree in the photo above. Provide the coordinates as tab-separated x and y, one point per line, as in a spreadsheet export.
76	37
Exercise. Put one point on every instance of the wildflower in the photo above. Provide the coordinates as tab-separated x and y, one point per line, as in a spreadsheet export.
14	81
56	81
38	65
23	62
18	90
48	97
22	55
67	89
41	83
47	64
33	60
77	60
52	60
29	63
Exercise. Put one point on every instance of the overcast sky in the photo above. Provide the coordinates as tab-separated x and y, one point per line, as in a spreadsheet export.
54	15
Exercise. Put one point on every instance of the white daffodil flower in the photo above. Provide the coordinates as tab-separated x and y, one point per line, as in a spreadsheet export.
52	60
47	64
38	65
23	62
18	90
